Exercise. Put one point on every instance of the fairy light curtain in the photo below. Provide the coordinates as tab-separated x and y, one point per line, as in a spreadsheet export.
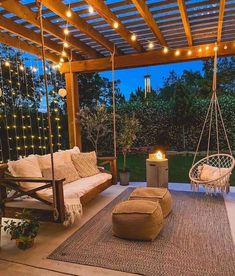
23	120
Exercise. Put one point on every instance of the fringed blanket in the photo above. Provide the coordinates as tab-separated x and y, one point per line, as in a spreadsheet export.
73	210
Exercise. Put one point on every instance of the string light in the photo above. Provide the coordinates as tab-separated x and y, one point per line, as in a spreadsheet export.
66	31
216	48
200	50
177	52
90	9
133	37
64	54
66	45
165	50
69	13
207	48
21	67
189	52
7	63
150	45
115	25
225	47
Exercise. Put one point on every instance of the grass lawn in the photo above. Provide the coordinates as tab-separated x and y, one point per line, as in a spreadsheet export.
178	167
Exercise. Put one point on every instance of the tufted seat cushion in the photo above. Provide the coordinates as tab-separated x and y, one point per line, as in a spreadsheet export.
154	194
137	220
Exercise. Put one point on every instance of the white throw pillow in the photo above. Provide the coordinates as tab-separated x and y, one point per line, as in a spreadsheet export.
212	173
26	167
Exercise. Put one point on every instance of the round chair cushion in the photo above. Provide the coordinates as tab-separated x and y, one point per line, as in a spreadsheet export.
137	220
154	194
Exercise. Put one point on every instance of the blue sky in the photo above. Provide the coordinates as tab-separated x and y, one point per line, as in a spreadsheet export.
132	78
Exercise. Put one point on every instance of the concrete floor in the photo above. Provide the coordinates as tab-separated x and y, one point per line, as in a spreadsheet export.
34	261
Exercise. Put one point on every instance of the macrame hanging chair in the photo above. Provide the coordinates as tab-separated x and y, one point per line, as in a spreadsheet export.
213	172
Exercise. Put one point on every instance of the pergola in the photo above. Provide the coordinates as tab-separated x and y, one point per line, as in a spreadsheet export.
142	33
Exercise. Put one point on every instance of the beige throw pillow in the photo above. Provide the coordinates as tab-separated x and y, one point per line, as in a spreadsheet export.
66	171
85	163
26	167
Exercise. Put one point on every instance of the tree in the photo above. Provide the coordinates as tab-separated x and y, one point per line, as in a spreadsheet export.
96	123
127	135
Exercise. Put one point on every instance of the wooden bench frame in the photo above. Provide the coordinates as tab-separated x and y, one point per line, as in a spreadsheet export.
9	182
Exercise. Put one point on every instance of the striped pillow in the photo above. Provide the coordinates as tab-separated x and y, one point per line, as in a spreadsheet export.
85	163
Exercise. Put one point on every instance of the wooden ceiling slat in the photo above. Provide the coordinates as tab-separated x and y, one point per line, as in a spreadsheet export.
25	13
185	21
146	14
220	20
26	47
110	18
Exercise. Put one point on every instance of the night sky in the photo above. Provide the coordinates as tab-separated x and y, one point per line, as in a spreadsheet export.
132	78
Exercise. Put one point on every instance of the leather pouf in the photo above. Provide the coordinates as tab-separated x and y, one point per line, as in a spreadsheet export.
154	194
137	220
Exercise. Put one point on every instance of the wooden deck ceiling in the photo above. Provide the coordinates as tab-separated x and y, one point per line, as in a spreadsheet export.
192	27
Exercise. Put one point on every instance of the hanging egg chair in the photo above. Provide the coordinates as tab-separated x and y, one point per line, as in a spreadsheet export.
213	172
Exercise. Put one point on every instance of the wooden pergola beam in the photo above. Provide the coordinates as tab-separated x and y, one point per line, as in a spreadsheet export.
150	58
24	46
11	26
25	13
186	24
220	20
103	10
149	19
60	9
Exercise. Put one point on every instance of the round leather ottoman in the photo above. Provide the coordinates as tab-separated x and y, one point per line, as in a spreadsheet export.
137	220
154	194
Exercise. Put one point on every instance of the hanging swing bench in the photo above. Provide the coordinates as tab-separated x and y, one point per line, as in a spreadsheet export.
213	172
14	197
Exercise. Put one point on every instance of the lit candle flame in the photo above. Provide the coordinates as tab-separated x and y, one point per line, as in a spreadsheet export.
159	155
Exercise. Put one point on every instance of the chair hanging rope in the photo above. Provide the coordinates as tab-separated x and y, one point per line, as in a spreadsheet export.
39	4
213	171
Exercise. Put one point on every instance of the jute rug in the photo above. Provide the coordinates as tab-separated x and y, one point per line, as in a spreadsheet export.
195	240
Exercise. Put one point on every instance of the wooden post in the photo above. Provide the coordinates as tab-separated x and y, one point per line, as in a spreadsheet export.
71	80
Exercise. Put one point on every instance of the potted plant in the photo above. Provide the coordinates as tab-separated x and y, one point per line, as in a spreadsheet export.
125	139
24	231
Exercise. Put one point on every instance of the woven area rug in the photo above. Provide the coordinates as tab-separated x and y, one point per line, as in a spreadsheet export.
195	240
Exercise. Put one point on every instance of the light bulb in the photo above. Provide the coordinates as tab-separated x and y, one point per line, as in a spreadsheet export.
165	50
90	9
7	63
133	37
68	13
189	52
21	67
64	54
34	69
207	47
225	47
61	59
115	25
66	45
150	45
177	52
200	50
215	48
66	31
